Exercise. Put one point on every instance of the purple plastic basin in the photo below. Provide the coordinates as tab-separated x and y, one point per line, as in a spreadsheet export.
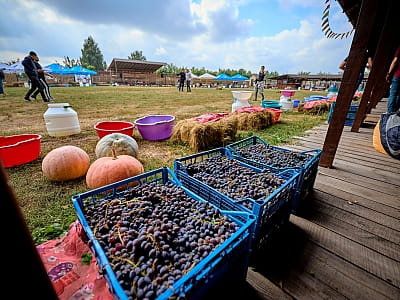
155	127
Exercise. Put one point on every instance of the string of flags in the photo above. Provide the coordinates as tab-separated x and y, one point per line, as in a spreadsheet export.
326	28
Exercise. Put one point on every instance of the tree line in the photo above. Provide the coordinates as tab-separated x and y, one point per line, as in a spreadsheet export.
92	58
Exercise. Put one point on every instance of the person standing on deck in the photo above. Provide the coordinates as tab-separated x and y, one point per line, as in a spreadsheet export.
393	77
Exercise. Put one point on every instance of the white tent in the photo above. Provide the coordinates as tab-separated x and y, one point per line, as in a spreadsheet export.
15	68
206	76
3	66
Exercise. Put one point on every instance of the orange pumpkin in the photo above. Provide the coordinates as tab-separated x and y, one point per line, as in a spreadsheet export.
65	163
107	170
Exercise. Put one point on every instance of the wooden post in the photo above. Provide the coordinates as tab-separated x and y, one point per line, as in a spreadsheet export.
356	63
24	273
376	84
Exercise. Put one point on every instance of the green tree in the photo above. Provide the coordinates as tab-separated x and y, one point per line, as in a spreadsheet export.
168	69
91	55
137	55
69	63
303	73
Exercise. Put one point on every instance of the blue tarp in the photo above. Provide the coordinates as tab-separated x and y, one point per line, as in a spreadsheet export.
239	77
223	76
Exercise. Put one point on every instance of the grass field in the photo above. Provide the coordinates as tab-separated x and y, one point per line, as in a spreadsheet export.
47	205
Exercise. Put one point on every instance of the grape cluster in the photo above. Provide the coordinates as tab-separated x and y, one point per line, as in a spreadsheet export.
277	158
234	180
154	234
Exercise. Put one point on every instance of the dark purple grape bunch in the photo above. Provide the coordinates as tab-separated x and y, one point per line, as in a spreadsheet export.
277	158
155	234
231	178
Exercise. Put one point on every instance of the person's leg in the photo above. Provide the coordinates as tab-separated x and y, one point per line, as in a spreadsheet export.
34	95
46	89
262	91
34	86
1	87
188	89
393	100
256	90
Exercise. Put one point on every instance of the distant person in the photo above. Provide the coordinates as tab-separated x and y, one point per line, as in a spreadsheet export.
2	77
182	78
42	79
32	73
343	66
188	77
393	77
260	83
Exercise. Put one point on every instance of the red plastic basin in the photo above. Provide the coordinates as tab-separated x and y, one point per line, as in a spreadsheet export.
19	149
106	127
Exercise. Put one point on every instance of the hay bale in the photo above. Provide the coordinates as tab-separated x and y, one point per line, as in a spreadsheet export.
181	131
203	136
228	127
255	120
301	107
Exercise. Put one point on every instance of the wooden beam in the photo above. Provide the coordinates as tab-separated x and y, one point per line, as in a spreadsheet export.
355	63
376	84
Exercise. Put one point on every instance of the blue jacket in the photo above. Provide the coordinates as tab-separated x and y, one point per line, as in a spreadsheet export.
29	66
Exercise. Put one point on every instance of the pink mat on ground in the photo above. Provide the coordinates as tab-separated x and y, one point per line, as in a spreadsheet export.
71	278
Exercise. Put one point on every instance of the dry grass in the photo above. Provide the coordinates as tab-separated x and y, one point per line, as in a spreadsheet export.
47	205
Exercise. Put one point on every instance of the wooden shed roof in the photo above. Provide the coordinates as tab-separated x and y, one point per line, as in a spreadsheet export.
129	65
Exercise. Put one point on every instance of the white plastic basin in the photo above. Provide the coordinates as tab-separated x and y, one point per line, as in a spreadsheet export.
242	95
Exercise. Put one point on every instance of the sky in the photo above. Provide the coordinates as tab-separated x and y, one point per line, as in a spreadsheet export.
283	35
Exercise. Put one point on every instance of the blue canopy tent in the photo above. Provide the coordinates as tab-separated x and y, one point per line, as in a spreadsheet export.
223	76
56	68
239	77
79	70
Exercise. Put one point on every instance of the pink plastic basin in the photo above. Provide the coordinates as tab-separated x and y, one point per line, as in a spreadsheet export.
19	149
287	93
155	127
107	127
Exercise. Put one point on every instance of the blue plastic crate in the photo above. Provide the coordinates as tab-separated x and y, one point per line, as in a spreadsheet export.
230	259
271	213
308	172
350	116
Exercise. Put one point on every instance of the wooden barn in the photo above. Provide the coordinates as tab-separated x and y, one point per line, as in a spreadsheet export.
131	72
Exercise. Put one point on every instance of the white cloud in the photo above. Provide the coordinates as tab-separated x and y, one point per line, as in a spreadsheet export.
161	51
207	33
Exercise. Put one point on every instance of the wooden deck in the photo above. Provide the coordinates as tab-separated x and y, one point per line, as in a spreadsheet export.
346	244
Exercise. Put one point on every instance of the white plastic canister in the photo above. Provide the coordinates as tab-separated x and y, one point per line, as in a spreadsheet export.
287	103
61	120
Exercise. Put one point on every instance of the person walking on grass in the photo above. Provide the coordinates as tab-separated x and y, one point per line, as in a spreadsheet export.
260	83
42	79
32	73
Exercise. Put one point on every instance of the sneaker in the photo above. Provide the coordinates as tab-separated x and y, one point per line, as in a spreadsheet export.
27	99
33	98
46	100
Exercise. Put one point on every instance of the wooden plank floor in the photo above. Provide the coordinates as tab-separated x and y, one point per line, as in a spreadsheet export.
345	244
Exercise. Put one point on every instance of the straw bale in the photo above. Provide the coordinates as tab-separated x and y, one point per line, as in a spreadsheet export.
255	120
181	131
